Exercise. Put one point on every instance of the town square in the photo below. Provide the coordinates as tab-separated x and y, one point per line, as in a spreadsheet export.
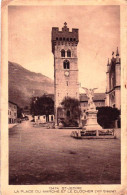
64	103
50	156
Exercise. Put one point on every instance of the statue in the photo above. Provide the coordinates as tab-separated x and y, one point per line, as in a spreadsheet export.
90	95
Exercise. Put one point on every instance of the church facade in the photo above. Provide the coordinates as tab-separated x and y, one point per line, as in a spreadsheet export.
64	49
113	74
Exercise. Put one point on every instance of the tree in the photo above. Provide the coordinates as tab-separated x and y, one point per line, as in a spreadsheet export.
72	111
43	105
106	116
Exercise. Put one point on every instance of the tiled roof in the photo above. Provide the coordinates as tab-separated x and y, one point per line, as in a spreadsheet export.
97	97
12	103
83	97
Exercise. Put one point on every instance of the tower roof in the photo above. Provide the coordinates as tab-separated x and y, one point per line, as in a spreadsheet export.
108	64
117	52
64	36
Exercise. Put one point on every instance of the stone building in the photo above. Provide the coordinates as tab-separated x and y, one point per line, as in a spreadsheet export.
64	49
113	74
26	110
12	112
99	100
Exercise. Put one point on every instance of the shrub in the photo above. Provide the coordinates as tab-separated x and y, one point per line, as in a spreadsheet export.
106	116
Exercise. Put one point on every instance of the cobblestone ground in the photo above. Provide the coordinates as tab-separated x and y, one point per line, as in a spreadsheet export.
51	156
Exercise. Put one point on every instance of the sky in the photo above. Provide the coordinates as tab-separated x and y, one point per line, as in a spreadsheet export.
29	34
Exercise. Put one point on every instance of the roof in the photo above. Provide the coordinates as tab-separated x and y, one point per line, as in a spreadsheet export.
83	97
97	97
12	103
50	95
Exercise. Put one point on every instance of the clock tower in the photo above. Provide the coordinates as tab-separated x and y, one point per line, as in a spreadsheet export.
64	49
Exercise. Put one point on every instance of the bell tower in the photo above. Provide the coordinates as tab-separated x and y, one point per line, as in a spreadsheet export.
64	49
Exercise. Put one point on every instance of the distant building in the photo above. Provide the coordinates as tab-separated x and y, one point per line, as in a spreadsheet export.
26	110
113	97
44	118
12	112
99	100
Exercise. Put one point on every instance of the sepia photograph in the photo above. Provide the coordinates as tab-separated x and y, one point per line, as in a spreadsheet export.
63	97
64	94
64	104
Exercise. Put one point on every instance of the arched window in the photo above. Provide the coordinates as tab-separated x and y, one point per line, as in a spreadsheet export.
66	64
62	53
68	53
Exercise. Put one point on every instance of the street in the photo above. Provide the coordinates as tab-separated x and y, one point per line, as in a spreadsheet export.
51	156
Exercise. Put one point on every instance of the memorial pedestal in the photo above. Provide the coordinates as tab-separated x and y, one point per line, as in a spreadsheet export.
91	120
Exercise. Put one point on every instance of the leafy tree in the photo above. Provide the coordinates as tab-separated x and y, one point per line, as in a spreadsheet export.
72	111
43	105
106	116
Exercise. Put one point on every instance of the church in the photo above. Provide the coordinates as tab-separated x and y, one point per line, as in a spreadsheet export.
113	74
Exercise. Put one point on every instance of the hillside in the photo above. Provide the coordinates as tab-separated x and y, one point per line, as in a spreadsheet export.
23	84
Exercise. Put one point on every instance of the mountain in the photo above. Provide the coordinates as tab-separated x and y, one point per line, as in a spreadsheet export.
24	84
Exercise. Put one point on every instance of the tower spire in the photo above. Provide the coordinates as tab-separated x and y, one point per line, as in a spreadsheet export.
117	52
65	24
113	54
108	62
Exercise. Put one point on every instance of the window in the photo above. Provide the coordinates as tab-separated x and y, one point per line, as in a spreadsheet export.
68	53
68	113
66	64
60	38
70	39
62	53
57	38
51	118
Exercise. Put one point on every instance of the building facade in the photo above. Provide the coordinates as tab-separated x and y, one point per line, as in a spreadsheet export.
113	74
64	49
12	112
98	99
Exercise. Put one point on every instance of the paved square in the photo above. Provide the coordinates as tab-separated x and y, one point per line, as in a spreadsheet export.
51	156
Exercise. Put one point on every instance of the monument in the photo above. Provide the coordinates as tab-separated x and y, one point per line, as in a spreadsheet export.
92	129
91	113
